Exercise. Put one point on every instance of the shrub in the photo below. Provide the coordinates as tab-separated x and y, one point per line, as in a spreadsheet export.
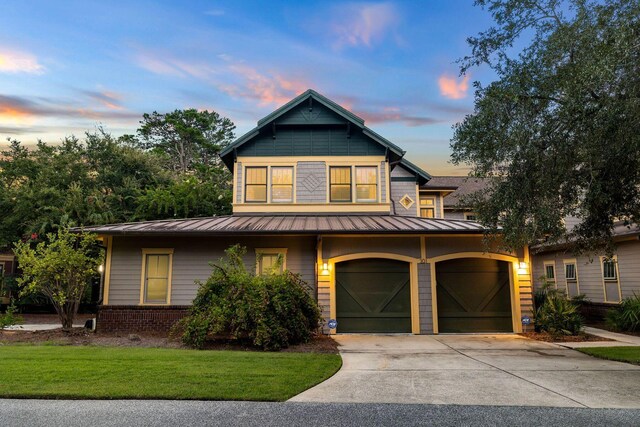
558	315
270	311
10	317
627	316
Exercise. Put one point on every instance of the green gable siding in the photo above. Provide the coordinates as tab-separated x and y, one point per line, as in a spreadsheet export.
311	141
319	114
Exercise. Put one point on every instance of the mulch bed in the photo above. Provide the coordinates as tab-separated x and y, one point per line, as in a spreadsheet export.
81	336
545	336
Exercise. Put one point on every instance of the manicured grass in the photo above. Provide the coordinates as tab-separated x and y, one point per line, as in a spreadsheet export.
621	354
72	372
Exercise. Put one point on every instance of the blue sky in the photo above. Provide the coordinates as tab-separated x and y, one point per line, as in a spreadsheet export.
67	66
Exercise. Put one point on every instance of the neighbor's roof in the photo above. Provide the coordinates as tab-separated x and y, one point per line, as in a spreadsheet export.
291	224
461	186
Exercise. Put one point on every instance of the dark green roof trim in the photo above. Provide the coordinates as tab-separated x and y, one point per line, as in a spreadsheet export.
423	177
310	93
393	149
404	179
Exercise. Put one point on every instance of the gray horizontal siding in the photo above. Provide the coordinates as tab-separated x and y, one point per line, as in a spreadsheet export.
239	182
191	260
590	272
398	191
338	246
449	214
425	298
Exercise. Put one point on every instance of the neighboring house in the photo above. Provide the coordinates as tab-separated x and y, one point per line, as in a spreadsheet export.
7	267
448	193
341	205
604	281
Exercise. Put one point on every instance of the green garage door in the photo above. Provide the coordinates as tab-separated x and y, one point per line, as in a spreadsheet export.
373	295
473	295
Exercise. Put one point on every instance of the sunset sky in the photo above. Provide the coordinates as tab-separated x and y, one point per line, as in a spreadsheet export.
67	66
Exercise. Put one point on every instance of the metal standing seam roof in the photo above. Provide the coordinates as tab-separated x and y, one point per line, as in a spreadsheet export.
291	224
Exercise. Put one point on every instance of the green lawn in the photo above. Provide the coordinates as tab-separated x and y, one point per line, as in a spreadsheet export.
621	354
155	373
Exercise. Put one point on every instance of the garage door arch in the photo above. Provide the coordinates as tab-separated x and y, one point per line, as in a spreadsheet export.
510	264
411	265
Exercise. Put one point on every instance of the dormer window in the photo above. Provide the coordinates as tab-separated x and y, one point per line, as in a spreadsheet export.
256	185
340	184
366	184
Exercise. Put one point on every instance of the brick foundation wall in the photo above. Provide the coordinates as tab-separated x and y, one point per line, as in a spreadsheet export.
134	318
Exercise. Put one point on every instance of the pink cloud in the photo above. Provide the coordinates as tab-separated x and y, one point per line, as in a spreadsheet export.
362	24
395	114
16	61
267	89
451	88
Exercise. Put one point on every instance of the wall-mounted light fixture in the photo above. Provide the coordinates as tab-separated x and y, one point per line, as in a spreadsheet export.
324	269
523	268
100	268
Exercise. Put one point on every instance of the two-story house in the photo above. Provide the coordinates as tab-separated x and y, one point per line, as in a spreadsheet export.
347	211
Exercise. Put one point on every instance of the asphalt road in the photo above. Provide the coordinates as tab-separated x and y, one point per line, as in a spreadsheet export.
133	413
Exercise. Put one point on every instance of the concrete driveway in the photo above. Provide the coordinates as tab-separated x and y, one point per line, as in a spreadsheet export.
474	370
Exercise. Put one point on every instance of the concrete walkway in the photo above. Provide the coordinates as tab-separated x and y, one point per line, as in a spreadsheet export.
620	340
474	370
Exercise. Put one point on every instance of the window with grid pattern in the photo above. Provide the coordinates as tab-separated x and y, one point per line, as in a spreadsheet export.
366	184
609	271
282	184
570	271
340	184
256	184
156	280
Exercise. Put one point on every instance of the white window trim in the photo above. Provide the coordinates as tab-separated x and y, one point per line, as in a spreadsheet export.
271	251
555	272
156	251
605	281
566	262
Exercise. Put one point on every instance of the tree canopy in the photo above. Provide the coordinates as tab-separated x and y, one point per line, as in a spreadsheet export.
558	131
102	179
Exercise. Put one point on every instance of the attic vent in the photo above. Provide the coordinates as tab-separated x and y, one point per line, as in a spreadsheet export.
406	201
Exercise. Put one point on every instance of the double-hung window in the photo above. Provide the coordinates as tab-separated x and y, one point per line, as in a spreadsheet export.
281	184
366	184
156	276
571	277
271	260
340	184
610	279
550	272
427	207
256	185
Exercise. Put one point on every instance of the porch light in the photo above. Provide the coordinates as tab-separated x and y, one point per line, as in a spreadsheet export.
325	268
100	268
523	268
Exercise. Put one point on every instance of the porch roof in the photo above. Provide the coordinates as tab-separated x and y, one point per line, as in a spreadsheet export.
292	224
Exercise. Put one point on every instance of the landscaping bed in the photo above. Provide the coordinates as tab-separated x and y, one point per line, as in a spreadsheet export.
547	337
83	337
621	354
98	372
